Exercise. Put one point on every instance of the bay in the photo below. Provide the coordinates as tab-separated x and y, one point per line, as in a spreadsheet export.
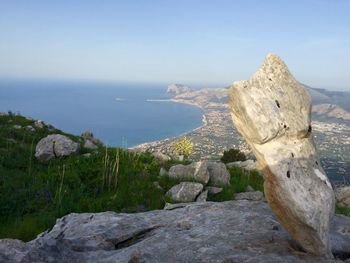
118	114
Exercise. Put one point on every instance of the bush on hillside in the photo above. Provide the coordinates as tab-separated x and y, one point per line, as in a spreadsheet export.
233	155
183	147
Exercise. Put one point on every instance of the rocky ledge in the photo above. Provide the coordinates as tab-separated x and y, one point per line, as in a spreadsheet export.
232	231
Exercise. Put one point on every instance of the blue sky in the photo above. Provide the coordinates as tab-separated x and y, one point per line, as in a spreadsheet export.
201	42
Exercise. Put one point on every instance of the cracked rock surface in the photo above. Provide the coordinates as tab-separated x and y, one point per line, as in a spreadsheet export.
55	146
272	112
232	231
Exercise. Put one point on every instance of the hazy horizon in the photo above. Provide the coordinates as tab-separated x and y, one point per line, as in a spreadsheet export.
197	43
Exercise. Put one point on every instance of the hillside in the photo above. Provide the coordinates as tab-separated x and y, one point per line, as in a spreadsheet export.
33	194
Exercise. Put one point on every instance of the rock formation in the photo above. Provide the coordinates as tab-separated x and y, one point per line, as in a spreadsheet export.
272	112
55	146
214	173
233	231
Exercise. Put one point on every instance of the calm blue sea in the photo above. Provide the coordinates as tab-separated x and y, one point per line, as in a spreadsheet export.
118	114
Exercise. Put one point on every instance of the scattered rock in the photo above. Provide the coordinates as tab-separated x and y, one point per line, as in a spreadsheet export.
232	231
161	157
342	195
251	196
249	189
196	170
55	146
203	196
90	145
39	124
213	190
87	135
157	185
218	173
17	127
30	128
248	165
185	192
90	140
87	155
163	172
272	112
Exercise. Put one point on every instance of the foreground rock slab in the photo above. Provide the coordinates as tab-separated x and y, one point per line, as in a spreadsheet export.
272	112
233	231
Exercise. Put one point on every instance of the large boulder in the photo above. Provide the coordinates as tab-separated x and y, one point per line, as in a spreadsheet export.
55	146
233	231
185	192
272	112
342	195
218	173
196	170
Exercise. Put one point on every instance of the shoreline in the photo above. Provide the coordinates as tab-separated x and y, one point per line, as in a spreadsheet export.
204	123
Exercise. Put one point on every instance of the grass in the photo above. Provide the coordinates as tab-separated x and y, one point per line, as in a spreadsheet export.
239	181
342	211
34	194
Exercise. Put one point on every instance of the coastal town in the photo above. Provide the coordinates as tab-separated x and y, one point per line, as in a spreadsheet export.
217	134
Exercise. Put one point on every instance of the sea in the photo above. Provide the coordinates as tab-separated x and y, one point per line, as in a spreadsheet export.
118	114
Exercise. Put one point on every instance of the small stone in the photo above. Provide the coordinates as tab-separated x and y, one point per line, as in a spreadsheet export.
249	189
39	124
163	172
90	145
203	196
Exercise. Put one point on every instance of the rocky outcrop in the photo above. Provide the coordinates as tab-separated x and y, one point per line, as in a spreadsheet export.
233	231
55	146
90	142
272	112
177	89
185	192
342	195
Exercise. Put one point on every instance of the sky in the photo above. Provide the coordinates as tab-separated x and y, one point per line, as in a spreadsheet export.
194	42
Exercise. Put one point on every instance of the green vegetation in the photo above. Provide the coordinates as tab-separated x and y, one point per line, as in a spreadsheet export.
342	211
239	181
233	155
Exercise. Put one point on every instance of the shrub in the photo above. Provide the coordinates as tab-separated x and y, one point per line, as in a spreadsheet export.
183	147
233	155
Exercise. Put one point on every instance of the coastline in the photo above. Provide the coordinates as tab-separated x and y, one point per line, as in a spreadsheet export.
204	123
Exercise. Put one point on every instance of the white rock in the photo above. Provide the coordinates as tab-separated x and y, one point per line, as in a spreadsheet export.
272	112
